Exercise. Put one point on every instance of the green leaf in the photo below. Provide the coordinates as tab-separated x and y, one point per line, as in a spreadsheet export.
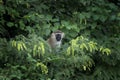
48	17
96	17
47	31
81	16
113	17
103	18
22	25
10	24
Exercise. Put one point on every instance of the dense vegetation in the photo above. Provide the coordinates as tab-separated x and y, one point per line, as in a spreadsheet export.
90	50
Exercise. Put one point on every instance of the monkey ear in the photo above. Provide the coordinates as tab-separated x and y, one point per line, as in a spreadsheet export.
52	35
63	35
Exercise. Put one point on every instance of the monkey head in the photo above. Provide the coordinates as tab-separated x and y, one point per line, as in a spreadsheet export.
55	39
58	35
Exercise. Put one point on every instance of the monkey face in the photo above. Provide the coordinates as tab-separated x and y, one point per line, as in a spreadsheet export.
58	37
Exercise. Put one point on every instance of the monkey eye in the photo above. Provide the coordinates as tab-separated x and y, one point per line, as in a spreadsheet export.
58	37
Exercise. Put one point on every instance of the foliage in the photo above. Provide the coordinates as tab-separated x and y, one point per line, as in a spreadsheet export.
90	49
27	59
82	43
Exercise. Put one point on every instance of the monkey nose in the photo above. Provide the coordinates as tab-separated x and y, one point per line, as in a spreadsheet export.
58	38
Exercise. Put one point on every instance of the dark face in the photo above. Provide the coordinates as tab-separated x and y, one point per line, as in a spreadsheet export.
58	37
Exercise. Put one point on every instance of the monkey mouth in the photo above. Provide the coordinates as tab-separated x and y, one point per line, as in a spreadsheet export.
58	39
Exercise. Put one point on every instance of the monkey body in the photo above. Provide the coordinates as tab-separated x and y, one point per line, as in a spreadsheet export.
53	43
55	39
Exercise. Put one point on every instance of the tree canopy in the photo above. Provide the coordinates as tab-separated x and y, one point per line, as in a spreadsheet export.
90	50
